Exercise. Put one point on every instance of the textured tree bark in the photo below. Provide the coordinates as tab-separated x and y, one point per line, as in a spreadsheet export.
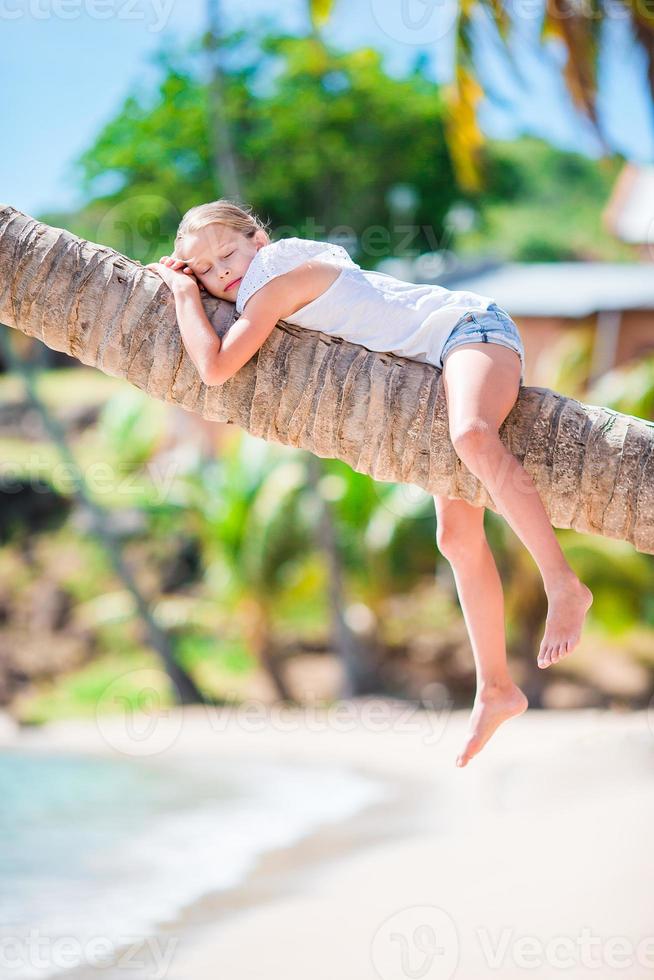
381	414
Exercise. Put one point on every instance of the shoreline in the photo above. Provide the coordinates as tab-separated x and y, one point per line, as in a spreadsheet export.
276	871
282	872
548	831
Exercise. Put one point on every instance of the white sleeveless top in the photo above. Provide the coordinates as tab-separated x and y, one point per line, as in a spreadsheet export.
368	308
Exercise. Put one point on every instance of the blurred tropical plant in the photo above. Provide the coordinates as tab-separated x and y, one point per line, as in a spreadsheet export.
621	580
130	425
531	188
258	512
249	511
628	388
564	365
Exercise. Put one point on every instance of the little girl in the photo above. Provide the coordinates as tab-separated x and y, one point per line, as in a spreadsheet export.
224	249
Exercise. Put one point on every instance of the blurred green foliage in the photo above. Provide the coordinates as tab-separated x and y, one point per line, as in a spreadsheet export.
321	136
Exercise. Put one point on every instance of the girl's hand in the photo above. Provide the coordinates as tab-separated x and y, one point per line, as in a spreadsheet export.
174	272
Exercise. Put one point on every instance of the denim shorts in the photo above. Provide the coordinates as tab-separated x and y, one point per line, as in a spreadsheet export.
493	326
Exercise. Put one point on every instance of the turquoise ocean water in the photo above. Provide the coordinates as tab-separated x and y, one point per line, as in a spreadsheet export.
97	850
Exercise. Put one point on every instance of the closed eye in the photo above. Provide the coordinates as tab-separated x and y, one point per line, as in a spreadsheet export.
210	267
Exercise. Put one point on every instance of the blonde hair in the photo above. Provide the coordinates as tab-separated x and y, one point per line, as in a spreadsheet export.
221	212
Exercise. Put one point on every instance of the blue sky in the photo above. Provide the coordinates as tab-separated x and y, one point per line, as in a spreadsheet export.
66	69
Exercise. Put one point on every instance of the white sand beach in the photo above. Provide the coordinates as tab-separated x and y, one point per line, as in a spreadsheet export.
535	860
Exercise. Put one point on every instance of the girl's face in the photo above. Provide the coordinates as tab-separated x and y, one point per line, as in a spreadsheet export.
219	257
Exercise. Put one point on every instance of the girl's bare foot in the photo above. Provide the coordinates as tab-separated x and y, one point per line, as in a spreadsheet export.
568	605
491	707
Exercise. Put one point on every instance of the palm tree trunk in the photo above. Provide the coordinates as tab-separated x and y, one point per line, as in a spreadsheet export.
381	414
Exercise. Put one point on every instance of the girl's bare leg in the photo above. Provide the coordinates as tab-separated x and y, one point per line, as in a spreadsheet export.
461	539
481	385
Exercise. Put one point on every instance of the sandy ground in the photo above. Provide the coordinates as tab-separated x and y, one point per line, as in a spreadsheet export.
533	861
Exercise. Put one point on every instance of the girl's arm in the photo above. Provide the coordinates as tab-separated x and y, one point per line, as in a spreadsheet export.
262	312
217	360
271	303
201	341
